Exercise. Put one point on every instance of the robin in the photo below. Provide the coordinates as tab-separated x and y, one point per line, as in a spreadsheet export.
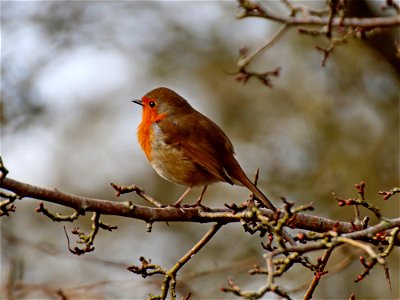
187	148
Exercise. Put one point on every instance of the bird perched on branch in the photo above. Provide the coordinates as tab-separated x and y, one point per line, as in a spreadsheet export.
187	148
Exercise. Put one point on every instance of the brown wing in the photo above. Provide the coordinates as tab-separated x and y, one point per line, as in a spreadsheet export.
201	140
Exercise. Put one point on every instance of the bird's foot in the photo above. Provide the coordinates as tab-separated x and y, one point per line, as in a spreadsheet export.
197	204
176	205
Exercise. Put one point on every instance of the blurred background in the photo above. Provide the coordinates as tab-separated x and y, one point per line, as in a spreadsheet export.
68	73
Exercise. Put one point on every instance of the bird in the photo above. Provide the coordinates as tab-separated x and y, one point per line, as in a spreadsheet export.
187	148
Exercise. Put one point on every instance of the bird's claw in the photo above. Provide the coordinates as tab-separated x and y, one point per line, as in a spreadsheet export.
174	205
197	205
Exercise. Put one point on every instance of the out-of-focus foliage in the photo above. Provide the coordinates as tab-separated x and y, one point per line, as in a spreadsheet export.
69	71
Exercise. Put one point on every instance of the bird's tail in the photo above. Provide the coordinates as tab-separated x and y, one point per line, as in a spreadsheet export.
238	175
256	191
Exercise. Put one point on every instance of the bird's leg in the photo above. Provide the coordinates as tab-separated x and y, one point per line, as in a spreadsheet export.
198	201
178	203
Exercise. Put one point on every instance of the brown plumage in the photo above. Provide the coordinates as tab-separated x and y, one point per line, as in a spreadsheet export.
186	147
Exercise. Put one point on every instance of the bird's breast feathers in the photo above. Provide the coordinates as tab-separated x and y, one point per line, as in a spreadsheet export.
149	133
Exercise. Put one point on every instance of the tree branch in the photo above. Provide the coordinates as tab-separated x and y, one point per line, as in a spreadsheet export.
252	9
330	22
169	214
170	281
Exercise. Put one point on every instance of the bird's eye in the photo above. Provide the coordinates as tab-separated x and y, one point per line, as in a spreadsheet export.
152	104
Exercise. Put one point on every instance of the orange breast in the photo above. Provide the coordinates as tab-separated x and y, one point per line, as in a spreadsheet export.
145	136
145	131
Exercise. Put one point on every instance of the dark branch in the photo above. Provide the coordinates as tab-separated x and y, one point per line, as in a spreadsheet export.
166	214
365	23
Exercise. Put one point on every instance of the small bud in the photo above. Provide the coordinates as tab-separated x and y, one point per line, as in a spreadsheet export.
362	259
349	201
301	236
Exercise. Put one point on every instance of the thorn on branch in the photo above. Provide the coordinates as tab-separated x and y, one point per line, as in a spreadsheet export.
255	181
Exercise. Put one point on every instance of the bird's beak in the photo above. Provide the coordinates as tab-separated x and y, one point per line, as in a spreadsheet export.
138	101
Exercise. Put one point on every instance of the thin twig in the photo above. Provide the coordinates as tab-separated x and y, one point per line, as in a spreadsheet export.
364	23
367	248
317	276
244	61
388	194
169	282
139	191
